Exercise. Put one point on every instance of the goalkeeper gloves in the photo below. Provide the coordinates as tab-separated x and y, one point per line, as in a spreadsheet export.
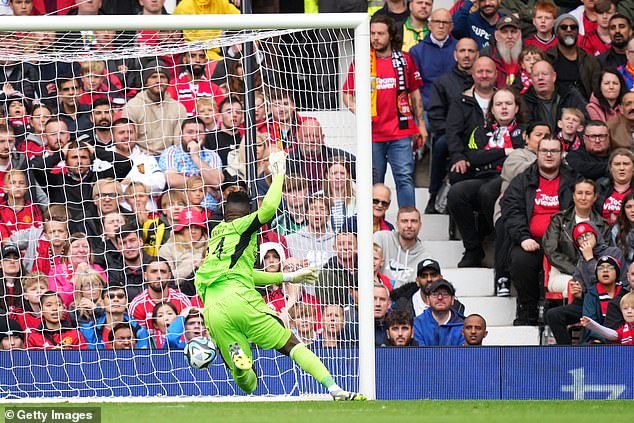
277	161
305	275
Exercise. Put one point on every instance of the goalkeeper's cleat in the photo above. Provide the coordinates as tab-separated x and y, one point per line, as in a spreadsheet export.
342	395
239	358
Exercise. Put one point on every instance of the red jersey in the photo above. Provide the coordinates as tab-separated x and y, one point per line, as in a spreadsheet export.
546	204
69	339
543	46
385	127
625	333
588	25
143	304
186	92
12	221
592	43
29	321
612	206
31	148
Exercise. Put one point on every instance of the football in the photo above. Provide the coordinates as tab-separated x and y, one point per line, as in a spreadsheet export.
200	352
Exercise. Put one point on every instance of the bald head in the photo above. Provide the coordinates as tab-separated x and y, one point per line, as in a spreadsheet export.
484	74
310	138
440	24
543	76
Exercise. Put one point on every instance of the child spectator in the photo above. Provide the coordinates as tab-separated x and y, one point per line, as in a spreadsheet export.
34	286
598	40
87	305
624	335
11	335
11	273
95	84
34	143
52	246
260	112
163	315
138	201
78	258
17	113
596	299
16	212
293	215
544	22
571	126
188	325
206	109
303	321
197	195
111	224
530	55
55	332
378	264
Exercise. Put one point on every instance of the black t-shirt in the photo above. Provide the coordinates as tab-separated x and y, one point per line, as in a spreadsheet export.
567	73
222	143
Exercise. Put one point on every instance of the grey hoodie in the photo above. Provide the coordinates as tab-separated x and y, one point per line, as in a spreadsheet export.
400	264
305	245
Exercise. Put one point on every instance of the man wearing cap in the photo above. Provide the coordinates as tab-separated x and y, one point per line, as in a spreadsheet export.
440	324
505	50
479	24
573	66
597	298
156	113
11	335
413	296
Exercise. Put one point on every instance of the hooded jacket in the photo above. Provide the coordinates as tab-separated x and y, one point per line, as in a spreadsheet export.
428	333
400	264
444	91
93	332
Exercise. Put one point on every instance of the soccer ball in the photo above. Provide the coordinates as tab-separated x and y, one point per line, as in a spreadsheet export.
200	352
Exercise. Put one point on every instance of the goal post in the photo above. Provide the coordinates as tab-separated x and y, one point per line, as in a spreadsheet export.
249	25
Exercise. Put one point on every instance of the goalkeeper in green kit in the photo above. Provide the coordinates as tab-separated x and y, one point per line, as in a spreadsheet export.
235	313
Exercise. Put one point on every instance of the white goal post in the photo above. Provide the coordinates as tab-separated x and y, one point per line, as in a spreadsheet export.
357	22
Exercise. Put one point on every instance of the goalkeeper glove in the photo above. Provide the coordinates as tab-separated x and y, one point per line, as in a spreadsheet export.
277	161
305	275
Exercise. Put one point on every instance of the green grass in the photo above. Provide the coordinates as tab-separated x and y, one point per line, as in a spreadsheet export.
370	412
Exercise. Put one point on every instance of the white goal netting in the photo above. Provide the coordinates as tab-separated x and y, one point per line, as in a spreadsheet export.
117	150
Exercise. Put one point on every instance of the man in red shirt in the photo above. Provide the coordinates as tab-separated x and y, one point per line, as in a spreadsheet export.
397	108
156	275
531	199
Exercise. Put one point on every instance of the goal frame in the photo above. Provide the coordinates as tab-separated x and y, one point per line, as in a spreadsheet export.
360	23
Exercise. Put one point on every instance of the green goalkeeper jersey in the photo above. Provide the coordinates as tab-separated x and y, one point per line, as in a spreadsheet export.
232	248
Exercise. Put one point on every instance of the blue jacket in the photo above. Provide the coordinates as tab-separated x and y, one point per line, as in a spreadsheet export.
432	62
93	333
175	331
428	333
472	25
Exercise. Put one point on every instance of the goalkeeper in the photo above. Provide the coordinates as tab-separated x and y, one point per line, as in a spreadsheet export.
234	311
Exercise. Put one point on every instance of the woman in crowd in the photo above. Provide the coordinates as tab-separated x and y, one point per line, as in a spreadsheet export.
87	304
606	99
623	231
11	273
612	189
339	189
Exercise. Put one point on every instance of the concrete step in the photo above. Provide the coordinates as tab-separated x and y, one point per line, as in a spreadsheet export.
471	282
435	227
422	196
512	335
448	253
496	311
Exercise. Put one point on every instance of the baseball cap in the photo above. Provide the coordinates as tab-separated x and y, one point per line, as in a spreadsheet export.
233	180
508	20
581	229
609	260
428	264
9	249
190	217
442	283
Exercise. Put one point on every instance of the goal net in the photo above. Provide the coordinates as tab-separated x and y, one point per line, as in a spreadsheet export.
118	149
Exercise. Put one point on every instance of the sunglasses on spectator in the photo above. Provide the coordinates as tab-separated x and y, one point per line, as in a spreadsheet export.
120	296
571	27
381	203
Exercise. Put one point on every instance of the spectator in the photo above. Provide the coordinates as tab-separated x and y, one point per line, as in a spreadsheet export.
592	245
302	322
57	7
620	29
394	127
187	326
439	325
612	189
332	325
10	158
156	275
415	28
573	66
467	112
506	50
434	54
558	241
29	316
51	246
284	122
156	113
172	203
621	128
395	9
101	119
530	55
293	216
55	332
381	200
115	304
622	234
122	337
544	21
96	85
312	155
414	296
444	91
570	128
55	136
88	304
486	151
226	140
75	114
598	40
206	110
605	102
591	161
11	335
378	261
627	69
586	14
192	83
16	77
623	334
239	162
400	329
11	274
474	330
125	264
315	241
34	143
479	24
527	206
339	189
189	158
382	305
402	249
186	247
77	258
16	211
163	315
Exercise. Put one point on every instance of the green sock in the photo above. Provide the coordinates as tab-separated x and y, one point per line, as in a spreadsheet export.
312	365
246	380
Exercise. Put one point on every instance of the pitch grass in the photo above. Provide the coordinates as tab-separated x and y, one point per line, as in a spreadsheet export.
369	412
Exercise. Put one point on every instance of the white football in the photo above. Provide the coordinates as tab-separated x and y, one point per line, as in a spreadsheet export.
200	352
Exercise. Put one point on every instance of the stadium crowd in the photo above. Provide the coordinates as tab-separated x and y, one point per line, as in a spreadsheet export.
113	174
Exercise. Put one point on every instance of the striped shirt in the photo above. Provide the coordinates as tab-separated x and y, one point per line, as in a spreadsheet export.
175	158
